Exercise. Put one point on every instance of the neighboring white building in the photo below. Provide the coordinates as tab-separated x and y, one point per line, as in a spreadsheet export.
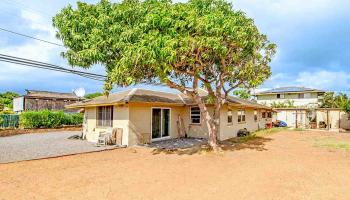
300	96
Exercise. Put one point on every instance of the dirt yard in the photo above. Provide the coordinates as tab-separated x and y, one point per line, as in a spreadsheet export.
285	165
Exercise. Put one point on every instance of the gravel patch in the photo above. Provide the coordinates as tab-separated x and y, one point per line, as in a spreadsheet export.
44	145
182	143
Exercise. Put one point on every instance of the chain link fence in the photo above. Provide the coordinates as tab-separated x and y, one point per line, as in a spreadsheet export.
9	121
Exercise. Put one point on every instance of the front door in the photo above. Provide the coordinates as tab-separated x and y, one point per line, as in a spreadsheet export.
160	123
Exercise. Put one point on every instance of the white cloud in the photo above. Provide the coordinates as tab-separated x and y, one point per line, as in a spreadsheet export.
320	79
31	49
324	79
22	77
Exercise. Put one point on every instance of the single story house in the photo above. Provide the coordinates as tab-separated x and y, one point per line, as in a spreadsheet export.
145	116
36	100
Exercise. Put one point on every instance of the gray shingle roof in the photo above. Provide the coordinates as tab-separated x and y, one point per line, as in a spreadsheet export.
149	96
47	94
289	89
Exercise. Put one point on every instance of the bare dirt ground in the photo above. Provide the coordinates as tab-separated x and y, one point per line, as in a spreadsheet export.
286	165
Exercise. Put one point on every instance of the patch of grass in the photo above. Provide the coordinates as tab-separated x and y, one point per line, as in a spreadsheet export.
332	143
264	132
298	129
258	134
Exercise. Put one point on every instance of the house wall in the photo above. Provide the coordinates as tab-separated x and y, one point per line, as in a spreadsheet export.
120	120
18	104
230	130
136	121
141	120
196	130
344	120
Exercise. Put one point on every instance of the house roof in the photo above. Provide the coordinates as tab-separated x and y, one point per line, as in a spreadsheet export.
149	96
48	94
289	90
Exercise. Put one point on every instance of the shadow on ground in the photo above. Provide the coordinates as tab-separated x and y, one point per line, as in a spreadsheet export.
253	143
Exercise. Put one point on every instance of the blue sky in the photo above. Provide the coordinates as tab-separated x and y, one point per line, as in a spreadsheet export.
313	39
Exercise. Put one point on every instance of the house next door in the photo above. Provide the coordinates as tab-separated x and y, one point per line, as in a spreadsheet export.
160	123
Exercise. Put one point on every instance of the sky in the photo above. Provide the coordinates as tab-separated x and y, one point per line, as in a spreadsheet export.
313	39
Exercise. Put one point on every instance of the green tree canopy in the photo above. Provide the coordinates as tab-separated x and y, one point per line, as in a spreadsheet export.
333	100
93	95
200	43
285	104
6	99
242	93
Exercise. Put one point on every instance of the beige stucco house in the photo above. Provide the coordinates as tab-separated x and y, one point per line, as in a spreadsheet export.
153	115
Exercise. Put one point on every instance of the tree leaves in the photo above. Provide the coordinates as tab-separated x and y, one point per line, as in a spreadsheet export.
144	41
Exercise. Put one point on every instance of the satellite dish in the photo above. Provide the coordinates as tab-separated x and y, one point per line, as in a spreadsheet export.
80	92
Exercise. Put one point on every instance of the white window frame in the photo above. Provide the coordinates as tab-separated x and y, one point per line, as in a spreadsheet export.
195	115
241	116
229	114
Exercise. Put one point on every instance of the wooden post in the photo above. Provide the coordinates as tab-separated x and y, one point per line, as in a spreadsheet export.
327	119
178	123
296	118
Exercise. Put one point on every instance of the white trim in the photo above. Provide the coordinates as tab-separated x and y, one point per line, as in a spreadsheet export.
161	124
238	115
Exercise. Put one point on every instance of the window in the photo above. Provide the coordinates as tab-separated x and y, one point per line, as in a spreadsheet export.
301	96
280	96
229	116
195	115
255	115
241	116
105	116
269	115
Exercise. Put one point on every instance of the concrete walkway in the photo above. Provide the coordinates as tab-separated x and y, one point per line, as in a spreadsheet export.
43	145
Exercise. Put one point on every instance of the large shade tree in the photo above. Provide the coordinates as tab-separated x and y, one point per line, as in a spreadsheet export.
198	44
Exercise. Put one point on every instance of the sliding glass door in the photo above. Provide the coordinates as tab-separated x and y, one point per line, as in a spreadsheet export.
160	123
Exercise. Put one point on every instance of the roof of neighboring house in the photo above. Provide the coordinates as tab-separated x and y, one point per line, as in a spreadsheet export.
47	94
149	96
289	90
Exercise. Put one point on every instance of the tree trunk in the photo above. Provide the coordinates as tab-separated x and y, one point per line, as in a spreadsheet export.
212	122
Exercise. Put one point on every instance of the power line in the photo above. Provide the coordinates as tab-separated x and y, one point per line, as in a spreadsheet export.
55	66
31	37
42	65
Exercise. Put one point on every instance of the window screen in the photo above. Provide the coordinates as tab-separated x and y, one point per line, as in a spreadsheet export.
195	115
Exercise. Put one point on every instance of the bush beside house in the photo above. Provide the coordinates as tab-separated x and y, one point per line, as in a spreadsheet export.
48	119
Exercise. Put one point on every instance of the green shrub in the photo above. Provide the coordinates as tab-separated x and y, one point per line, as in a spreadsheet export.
49	119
